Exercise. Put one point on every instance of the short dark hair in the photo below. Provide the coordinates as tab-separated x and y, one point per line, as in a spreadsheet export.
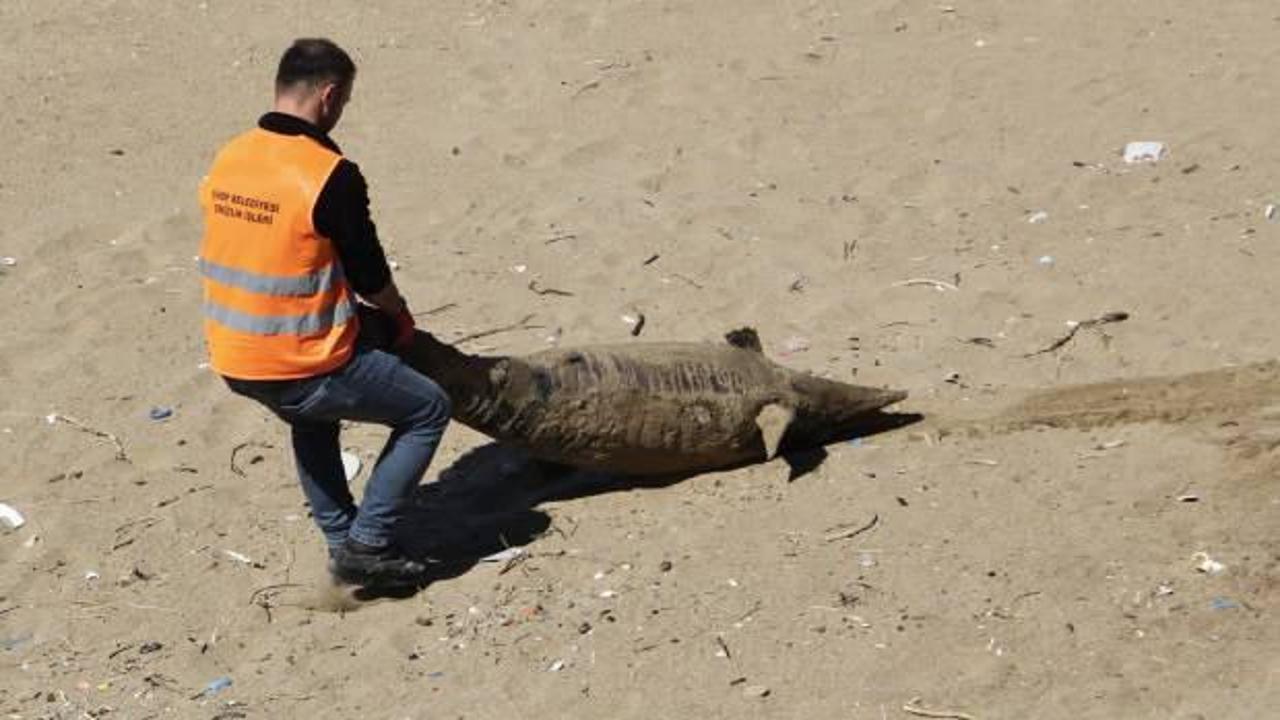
314	61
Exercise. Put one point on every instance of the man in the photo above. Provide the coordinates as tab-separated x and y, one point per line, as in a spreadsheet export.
289	245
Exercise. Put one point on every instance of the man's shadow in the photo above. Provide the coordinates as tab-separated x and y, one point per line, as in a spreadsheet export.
487	500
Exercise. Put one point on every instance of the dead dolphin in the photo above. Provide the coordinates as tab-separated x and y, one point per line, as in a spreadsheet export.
646	408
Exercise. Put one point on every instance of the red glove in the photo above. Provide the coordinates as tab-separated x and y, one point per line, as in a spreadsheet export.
405	326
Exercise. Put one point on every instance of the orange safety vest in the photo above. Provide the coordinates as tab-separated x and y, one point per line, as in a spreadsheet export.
276	304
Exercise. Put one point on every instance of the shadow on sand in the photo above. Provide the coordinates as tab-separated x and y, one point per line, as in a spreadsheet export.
488	499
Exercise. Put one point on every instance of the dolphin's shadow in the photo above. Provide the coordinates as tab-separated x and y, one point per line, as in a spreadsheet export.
488	499
805	460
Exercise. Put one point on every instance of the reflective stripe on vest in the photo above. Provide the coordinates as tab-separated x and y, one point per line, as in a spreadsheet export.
309	324
298	286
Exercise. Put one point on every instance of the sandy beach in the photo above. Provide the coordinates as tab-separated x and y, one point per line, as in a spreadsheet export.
908	194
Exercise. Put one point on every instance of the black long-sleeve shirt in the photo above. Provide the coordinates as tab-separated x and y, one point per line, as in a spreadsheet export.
342	211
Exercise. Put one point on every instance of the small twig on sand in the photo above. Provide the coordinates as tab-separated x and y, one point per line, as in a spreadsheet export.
939	285
639	326
236	451
850	249
724	647
853	532
512	562
1111	317
589	86
268	589
436	310
120	453
263	596
689	280
564	236
533	285
522	325
914	708
153	608
755	608
111	655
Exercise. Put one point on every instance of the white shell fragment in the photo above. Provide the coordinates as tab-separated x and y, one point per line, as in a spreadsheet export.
1144	151
10	517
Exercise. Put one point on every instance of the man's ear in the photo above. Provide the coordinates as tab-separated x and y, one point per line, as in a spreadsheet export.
328	94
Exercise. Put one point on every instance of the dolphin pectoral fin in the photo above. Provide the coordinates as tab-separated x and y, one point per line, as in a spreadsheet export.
746	338
773	421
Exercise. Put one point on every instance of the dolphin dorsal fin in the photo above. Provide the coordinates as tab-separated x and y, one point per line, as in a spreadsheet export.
746	338
773	421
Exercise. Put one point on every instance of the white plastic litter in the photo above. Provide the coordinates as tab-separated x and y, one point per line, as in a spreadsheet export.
1037	217
1144	151
8	261
238	557
350	464
1207	565
10	517
1269	212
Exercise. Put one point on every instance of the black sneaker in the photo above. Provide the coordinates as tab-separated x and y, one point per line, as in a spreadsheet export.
358	564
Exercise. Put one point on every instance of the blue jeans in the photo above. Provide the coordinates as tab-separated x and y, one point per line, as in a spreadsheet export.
376	387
